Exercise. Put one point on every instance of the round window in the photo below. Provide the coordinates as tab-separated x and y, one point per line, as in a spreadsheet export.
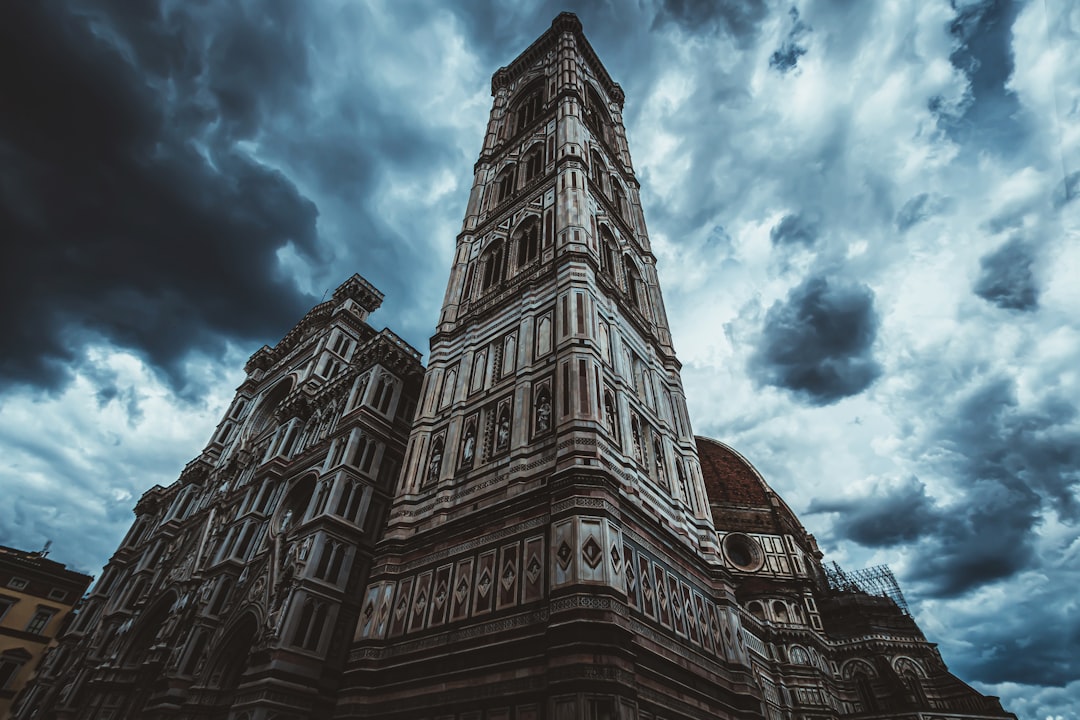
743	552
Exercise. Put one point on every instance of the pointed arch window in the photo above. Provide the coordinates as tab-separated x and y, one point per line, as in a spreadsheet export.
611	417
597	118
598	172
309	627
384	393
529	106
608	250
527	238
659	463
468	444
494	262
534	162
504	184
618	196
435	460
634	288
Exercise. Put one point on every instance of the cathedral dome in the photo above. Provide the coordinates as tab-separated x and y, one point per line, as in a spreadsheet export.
740	499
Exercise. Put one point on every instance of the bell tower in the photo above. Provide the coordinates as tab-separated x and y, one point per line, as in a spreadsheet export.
551	486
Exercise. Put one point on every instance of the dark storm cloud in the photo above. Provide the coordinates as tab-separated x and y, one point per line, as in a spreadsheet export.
1006	279
128	213
818	342
787	57
796	228
991	119
919	208
1035	629
739	18
1012	464
885	517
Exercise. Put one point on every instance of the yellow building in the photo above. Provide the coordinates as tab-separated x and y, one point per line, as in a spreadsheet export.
36	598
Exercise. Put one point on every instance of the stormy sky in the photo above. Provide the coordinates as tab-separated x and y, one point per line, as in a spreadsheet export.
866	217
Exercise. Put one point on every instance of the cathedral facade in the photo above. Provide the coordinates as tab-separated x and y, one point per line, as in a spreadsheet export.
526	529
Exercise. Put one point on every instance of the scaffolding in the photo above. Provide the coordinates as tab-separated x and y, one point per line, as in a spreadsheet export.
877	580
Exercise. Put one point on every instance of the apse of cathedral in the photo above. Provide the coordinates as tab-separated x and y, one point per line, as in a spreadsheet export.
528	528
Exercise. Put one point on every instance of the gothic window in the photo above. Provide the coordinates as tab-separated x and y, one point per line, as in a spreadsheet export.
509	354
619	197
635	437
348	505
604	340
478	371
611	417
608	250
196	645
527	238
597	118
542	408
494	264
633	282
359	388
504	184
799	656
502	428
435	460
658	462
534	162
865	691
246	540
468	443
309	626
682	481
543	335
221	596
449	385
330	561
383	394
363	453
528	109
598	172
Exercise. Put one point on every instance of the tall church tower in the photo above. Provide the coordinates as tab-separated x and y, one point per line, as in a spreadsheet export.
552	490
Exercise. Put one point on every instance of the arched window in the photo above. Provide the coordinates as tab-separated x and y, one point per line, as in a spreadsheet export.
598	172
618	195
608	249
635	433
658	461
780	611
309	626
611	418
449	385
494	262
529	105
468	444
865	690
383	394
543	409
348	505
527	238
435	461
534	162
504	184
502	429
756	610
597	118
633	283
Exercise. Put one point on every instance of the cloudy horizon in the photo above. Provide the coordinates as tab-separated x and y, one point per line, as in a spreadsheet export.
865	217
